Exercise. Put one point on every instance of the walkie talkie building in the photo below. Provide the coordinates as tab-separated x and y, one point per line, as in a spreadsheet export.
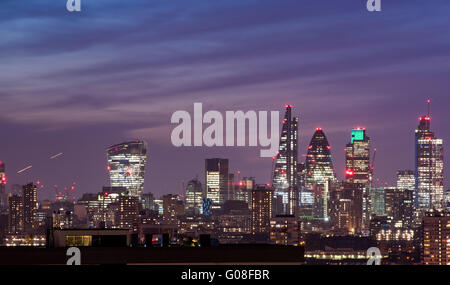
126	166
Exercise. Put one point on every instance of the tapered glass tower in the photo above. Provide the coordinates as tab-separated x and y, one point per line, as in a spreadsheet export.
319	173
319	164
286	163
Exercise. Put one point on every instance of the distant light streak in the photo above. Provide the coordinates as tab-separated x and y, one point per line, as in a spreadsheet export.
56	155
25	169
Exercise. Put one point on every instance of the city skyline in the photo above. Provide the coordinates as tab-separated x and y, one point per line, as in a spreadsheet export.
340	175
79	96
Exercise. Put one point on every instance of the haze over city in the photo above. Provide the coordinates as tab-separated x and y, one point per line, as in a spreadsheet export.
77	85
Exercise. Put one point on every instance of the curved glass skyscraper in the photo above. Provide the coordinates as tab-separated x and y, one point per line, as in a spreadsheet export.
319	172
319	164
126	166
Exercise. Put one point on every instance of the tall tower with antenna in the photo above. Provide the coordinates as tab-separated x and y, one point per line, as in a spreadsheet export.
284	179
429	165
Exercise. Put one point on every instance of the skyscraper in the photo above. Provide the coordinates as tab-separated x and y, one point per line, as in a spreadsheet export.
217	178
29	206
285	171
319	163
429	168
15	217
126	166
194	198
244	190
129	212
172	208
436	238
357	158
262	205
319	172
406	180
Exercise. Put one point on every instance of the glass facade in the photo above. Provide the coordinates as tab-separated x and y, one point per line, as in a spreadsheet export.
126	166
406	180
429	173
194	198
357	158
285	171
217	177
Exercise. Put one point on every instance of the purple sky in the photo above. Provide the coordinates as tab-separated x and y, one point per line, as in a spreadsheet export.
79	82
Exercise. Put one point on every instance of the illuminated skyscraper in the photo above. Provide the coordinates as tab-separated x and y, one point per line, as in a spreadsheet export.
173	207
406	180
29	206
357	158
319	163
429	170
262	205
129	212
244	190
15	217
319	172
436	238
216	177
285	171
194	198
126	166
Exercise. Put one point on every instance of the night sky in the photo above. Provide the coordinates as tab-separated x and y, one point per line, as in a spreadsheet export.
80	82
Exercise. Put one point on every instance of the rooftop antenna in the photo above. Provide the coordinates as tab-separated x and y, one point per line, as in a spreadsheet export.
429	106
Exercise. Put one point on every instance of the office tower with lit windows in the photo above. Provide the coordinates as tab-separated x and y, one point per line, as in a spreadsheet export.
30	205
228	192
234	224
399	205
173	208
348	214
262	207
126	166
378	201
429	170
194	198
357	158
436	238
216	178
129	207
285	170
244	190
3	196
319	172
406	180
306	195
15	217
284	230
148	201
